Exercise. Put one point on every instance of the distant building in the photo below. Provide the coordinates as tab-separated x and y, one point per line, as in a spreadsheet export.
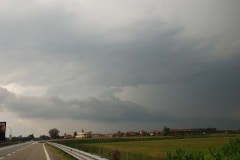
143	133
97	135
109	135
68	136
155	133
83	135
131	134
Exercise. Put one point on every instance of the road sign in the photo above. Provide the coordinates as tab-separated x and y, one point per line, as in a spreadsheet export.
2	131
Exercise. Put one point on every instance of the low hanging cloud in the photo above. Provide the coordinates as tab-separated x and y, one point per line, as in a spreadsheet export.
109	110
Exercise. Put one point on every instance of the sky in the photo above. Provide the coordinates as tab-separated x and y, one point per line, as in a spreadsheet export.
107	66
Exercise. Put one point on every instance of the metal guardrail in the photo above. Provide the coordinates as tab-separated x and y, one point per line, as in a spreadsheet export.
80	155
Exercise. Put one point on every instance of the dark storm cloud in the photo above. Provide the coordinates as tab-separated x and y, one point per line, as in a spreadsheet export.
140	59
216	89
188	50
109	110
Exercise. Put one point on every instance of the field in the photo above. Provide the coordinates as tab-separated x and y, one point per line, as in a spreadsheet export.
159	148
152	148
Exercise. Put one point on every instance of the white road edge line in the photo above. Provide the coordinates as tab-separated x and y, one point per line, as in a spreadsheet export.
46	153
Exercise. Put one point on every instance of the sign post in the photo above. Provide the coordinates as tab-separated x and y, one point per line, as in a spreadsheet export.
2	131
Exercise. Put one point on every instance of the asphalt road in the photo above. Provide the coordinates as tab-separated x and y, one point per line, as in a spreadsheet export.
26	151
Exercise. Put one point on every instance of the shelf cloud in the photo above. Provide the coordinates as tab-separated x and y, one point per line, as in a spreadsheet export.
152	62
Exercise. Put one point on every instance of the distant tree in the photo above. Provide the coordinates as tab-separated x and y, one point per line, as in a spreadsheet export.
75	134
54	133
43	137
238	131
165	131
31	137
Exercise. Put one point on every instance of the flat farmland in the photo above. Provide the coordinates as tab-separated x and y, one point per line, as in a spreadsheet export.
159	148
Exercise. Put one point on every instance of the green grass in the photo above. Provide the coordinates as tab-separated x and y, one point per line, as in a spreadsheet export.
142	148
159	148
61	154
228	151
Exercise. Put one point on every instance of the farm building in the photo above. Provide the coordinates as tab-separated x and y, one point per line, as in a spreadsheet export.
83	135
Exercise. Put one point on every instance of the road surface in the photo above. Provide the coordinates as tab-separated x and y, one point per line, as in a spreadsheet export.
26	151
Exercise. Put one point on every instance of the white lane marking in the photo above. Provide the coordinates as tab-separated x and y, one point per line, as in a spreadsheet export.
2	157
9	155
12	146
46	153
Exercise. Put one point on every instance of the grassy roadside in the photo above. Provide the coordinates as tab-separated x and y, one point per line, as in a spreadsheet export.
158	147
61	154
136	148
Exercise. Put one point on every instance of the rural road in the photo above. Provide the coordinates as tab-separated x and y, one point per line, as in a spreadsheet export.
27	151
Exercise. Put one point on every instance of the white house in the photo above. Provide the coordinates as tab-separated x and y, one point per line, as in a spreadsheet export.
83	135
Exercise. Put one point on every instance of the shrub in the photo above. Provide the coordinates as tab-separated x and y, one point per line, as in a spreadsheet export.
229	151
179	154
